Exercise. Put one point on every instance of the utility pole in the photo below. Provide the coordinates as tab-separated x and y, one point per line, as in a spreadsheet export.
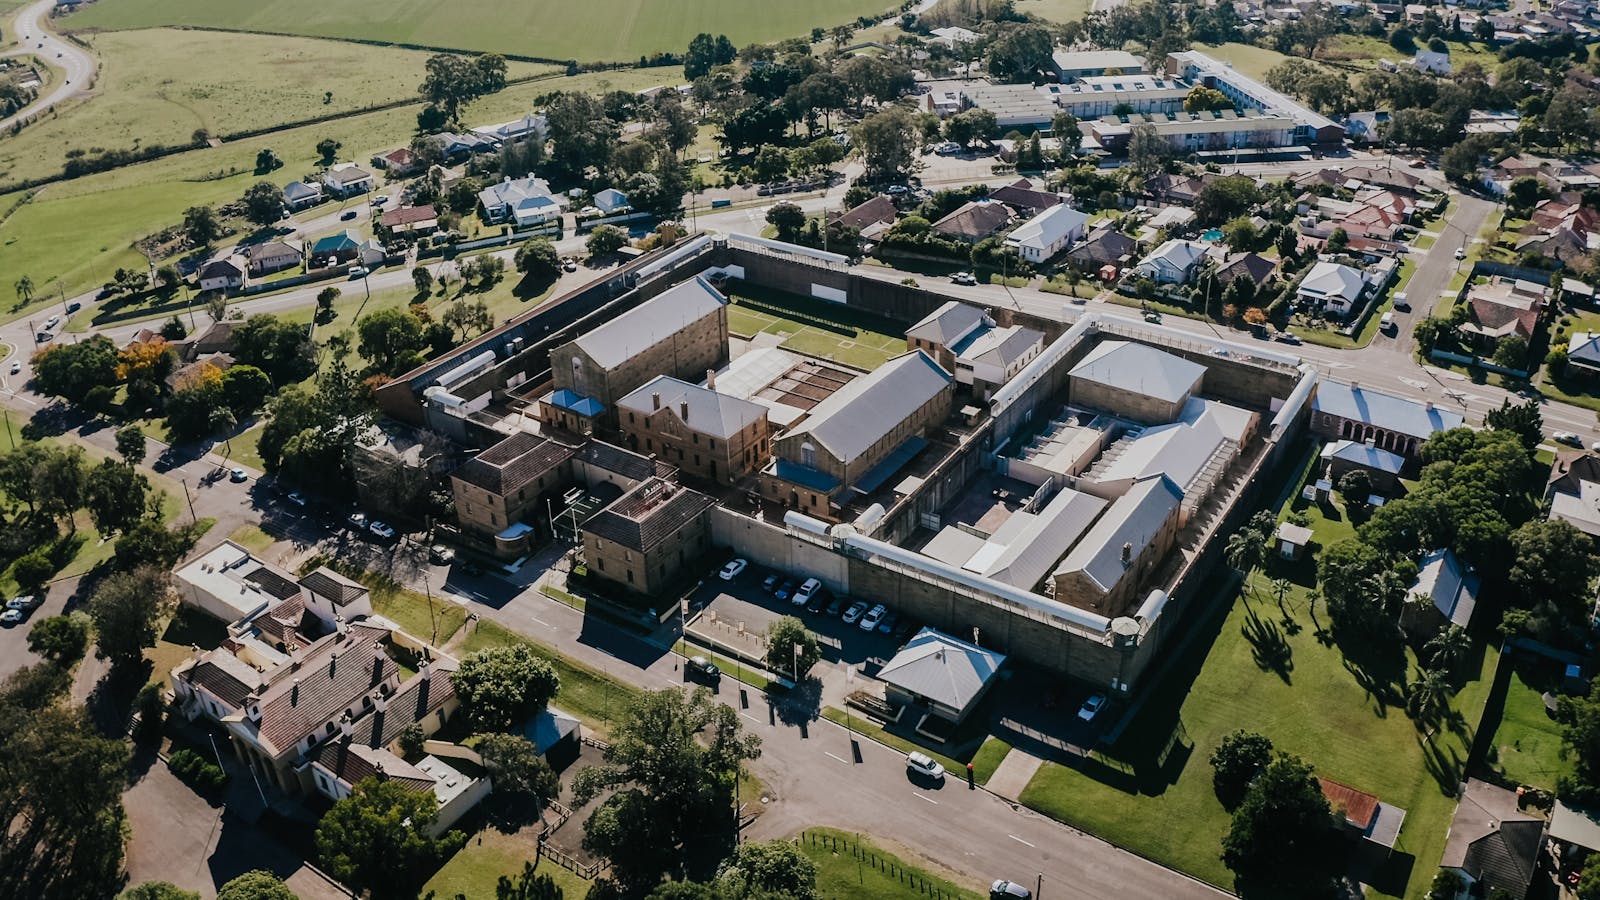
185	482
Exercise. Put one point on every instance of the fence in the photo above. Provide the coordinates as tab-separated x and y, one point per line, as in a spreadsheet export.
890	867
565	860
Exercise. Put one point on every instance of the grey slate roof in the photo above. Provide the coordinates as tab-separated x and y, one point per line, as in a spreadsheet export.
1382	410
1132	366
948	671
1368	457
1492	840
615	342
630	465
719	415
947	324
648	514
325	582
976	219
854	417
1134	518
511	464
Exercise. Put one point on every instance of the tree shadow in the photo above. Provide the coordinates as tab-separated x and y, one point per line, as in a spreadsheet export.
110	703
1444	764
801	705
1268	646
1377	663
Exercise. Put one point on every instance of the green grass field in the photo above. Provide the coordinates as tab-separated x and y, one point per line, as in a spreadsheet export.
1365	51
814	327
1268	671
157	86
1247	58
1056	10
491	853
1527	745
613	30
850	866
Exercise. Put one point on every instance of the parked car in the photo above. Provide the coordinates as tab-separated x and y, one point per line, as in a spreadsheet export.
297	498
769	583
380	529
16	366
903	629
1387	323
26	601
380	200
896	190
870	621
11	617
440	555
1401	303
835	606
732	569
1461	253
854	612
785	589
569	264
964	278
358	272
702	669
1091	707
347	215
1009	890
1568	438
807	588
74	306
357	520
921	764
237	475
818	601
887	625
948	148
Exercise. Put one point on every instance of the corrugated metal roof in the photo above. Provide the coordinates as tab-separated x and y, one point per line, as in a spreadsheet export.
1042	539
1131	366
651	322
1134	519
947	324
709	411
948	671
854	417
1385	411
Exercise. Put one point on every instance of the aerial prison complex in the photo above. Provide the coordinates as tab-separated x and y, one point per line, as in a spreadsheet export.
1054	485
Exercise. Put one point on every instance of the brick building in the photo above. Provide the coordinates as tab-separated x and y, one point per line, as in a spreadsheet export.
500	487
644	539
1353	413
704	433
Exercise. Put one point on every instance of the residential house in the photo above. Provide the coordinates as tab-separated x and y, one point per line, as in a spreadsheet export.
273	256
1048	233
226	274
335	249
410	220
1573	490
1023	199
347	180
523	201
1363	816
954	37
358	752
1500	308
532	126
611	201
399	163
1583	354
1104	246
1333	288
1351	412
1432	62
704	433
455	147
973	221
1367	125
937	674
298	195
1492	841
649	536
1174	262
1444	594
876	211
1260	269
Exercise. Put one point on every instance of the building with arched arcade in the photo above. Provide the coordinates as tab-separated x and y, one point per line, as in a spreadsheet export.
1350	412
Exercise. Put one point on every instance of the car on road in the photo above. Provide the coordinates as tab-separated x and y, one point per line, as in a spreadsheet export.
357	520
380	529
440	555
237	475
1401	303
887	625
854	612
921	764
896	190
732	569
44	337
1091	707
702	669
807	588
1009	890
1461	253
770	583
358	272
297	498
568	264
1154	318
1387	324
785	589
873	617
1568	438
347	215
835	606
380	200
963	278
26	601
52	322
16	366
11	617
1289	337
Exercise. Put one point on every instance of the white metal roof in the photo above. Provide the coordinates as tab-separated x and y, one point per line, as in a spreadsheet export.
853	418
1141	368
1135	518
615	342
948	671
709	412
1045	229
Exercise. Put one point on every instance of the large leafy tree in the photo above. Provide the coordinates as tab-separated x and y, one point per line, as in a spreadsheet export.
1522	419
1552	566
60	639
783	636
1283	838
263	203
377	839
390	337
1019	51
70	371
1236	760
126	608
501	686
245	389
769	868
114	494
453	81
1580	742
157	890
280	348
888	139
256	885
537	259
673	763
521	777
705	53
580	134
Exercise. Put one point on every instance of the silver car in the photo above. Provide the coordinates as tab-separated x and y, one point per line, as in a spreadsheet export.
854	612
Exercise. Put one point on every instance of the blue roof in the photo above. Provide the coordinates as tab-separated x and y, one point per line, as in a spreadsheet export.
341	241
805	476
890	464
1369	457
574	402
1385	411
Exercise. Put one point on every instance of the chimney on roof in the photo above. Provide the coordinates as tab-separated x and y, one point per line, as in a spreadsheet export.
655	400
346	727
333	663
1372	443
377	665
294	692
711	379
1127	553
683	410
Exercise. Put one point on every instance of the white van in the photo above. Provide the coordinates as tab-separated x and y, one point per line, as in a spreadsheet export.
1387	322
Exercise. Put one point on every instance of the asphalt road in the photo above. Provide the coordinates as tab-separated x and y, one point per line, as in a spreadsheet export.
73	62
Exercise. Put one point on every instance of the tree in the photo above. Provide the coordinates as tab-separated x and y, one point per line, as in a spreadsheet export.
389	336
256	885
244	389
788	219
1148	151
605	240
327	296
580	134
1283	833
1236	760
263	203
519	774
538	259
1018	51
266	161
1355	486
200	225
705	53
1225	198
888	140
69	371
60	639
150	543
131	444
1246	550
114	494
970	125
24	289
157	890
1511	351
673	762
377	839
1524	420
769	868
1428	698
195	401
1203	99
1552	566
1448	649
126	607
328	150
33	570
783	636
278	347
452	81
502	686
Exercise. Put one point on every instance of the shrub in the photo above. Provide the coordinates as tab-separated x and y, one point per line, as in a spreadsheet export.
193	769
152	710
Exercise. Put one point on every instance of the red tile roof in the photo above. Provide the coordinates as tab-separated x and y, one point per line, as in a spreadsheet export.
1359	807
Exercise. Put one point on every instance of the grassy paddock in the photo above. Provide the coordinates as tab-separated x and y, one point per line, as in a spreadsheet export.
815	327
850	866
615	30
407	608
491	853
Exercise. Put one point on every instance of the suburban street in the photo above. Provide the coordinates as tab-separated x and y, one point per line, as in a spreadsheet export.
75	64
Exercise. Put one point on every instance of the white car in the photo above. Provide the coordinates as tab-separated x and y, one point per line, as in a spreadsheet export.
380	200
873	617
854	612
732	570
357	520
1091	707
808	588
358	272
26	601
16	366
237	475
964	278
380	530
11	617
52	322
1461	253
924	765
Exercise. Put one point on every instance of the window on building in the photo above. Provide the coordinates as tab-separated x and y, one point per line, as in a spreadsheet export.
602	564
713	443
695	438
630	576
330	728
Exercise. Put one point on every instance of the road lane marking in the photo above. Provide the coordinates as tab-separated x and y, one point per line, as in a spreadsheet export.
839	758
1020	841
925	797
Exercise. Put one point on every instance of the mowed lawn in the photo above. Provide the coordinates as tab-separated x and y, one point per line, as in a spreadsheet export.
612	30
1247	58
815	327
1056	10
158	86
1256	667
1527	745
76	233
